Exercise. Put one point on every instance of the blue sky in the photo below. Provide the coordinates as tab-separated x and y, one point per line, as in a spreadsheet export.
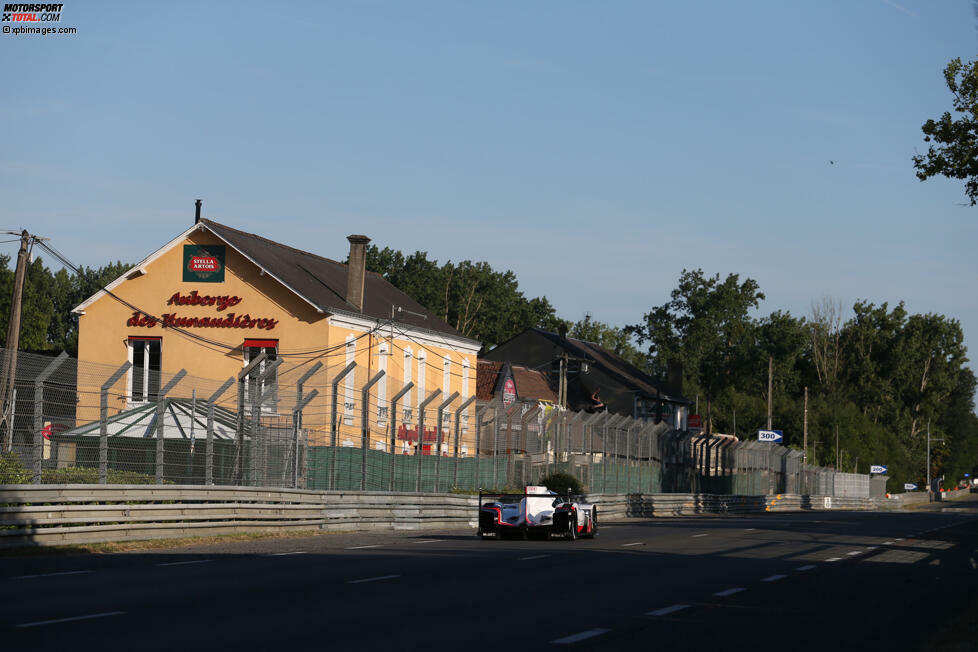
596	149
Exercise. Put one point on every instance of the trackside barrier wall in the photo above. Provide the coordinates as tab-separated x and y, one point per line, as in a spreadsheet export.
45	515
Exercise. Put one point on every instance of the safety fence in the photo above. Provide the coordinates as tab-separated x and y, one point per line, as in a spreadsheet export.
46	515
301	424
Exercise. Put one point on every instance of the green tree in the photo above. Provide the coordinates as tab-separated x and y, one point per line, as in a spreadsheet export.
706	326
954	152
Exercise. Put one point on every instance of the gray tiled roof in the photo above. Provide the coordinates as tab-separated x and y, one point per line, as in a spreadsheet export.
322	282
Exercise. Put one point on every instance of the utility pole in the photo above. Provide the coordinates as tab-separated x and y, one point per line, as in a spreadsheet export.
13	337
770	388
838	457
562	398
804	445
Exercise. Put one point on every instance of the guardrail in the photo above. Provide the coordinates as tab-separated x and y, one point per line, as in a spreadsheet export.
44	515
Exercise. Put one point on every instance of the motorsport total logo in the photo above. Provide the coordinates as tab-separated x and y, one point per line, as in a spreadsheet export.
32	13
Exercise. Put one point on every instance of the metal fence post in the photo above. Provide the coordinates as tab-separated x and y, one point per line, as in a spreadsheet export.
524	431
160	408
544	427
365	426
420	452
458	425
297	425
495	441
258	447
440	429
333	424
37	439
589	426
478	444
300	384
238	469
393	419
209	448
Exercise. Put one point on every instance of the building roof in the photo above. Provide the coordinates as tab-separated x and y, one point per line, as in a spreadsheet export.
613	365
322	282
182	419
318	281
530	384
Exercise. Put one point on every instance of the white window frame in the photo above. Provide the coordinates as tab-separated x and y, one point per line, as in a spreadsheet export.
145	341
349	405
269	406
383	410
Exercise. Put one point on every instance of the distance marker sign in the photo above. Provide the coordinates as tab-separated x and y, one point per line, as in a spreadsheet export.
775	436
878	469
909	486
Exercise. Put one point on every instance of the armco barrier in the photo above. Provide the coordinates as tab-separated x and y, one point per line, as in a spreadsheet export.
44	515
40	515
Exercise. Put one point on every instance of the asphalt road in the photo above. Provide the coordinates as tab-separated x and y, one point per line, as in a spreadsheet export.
827	580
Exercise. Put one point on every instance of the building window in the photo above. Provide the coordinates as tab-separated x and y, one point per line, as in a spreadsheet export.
348	403
144	376
408	414
465	393
268	388
382	411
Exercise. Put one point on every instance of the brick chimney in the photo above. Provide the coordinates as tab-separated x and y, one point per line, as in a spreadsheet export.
356	270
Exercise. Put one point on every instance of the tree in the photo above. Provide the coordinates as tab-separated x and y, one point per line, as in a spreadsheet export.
954	153
705	325
475	299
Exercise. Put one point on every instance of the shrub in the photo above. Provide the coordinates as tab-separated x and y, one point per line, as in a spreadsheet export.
12	471
562	483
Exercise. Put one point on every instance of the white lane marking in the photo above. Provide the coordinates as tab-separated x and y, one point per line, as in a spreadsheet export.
580	636
834	559
283	554
887	543
376	545
724	594
637	543
72	619
855	552
428	541
184	563
872	548
773	578
373	579
749	529
805	568
899	539
30	577
533	557
668	610
699	535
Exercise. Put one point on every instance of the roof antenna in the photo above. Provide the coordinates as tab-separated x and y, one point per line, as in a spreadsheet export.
197	212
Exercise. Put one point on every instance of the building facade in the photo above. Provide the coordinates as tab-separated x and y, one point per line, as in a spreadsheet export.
214	298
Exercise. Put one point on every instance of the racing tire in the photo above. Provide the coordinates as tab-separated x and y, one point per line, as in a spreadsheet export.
571	528
594	524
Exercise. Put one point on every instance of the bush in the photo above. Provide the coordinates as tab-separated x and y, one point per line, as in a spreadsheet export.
562	483
89	475
12	471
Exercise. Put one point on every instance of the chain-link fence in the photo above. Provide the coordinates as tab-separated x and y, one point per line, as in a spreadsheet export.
300	423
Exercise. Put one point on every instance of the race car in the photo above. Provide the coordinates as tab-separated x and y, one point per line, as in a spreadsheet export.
536	512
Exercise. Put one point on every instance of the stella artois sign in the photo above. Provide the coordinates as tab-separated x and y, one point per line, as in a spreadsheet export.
203	263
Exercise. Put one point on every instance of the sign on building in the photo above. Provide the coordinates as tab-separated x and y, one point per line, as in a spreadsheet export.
203	263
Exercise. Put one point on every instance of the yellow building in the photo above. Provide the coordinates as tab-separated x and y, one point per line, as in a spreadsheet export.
214	297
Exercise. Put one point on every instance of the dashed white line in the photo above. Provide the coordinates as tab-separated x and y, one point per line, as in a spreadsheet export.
700	535
30	577
807	567
749	529
376	545
428	541
872	548
668	610
373	579
899	539
773	578
637	543
834	559
888	543
580	636
72	619
184	563
724	594
533	557
855	552
284	554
